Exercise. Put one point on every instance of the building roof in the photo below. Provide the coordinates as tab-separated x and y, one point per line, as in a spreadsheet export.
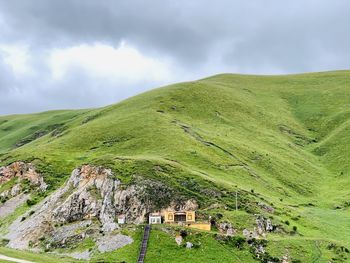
155	214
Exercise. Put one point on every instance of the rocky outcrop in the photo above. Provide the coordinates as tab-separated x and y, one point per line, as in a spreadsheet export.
13	197
93	192
92	197
22	171
263	225
226	228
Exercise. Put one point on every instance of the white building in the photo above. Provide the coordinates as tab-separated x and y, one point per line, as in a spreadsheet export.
121	219
155	218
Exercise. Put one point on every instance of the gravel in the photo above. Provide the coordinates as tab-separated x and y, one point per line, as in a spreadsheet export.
113	242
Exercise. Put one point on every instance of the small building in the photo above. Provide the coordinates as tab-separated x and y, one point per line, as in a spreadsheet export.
179	217
154	218
121	219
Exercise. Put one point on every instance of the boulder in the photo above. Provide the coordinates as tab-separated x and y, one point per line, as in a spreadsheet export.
189	245
178	240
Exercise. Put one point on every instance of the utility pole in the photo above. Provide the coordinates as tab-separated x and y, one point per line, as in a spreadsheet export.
236	200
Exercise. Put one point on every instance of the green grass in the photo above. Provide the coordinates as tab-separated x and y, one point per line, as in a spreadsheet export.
287	138
35	257
162	248
127	254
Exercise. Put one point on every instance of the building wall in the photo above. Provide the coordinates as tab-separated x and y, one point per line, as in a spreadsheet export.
169	217
155	220
201	226
190	216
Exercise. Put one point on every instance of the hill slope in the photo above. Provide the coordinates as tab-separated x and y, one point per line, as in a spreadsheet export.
284	139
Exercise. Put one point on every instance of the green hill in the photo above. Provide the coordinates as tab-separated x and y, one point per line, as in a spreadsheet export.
283	140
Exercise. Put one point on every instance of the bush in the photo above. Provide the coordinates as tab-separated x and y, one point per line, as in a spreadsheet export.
235	241
238	242
295	228
183	233
287	222
31	202
4	242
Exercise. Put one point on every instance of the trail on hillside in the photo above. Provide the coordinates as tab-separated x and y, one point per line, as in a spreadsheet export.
14	259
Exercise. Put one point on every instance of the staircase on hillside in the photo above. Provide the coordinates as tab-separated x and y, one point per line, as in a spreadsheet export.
143	249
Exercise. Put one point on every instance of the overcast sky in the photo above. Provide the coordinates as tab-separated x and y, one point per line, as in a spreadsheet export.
57	54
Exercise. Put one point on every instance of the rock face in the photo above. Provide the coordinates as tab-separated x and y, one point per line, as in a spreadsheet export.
90	193
16	195
92	197
22	171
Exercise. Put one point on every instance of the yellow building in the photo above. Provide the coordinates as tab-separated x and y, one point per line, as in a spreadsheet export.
179	217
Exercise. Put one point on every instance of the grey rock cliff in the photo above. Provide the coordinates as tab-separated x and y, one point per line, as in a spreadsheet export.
90	193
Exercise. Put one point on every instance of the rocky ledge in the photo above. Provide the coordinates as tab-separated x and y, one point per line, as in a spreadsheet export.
21	171
91	193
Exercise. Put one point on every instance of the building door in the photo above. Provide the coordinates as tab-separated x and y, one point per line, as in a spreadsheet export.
180	218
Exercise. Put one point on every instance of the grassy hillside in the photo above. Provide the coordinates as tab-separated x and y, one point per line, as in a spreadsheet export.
284	139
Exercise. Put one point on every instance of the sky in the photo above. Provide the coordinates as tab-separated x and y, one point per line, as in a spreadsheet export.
71	54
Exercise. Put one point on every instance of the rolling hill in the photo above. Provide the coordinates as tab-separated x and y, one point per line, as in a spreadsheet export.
278	140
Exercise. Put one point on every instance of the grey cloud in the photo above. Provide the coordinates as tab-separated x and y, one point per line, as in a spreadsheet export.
202	37
7	79
189	31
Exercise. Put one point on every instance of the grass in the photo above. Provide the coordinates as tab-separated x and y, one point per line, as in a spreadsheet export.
35	257
128	253
283	139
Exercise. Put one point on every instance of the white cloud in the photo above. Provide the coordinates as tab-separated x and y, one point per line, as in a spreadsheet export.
123	63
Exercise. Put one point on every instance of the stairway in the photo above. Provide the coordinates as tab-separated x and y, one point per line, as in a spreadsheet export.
143	249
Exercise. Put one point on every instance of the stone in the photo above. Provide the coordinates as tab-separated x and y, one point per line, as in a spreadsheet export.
189	245
16	190
226	228
263	225
246	233
178	240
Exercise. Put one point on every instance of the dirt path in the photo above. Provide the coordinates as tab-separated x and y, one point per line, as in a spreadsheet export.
14	259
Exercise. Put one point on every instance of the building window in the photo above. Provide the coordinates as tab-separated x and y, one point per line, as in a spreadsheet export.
170	217
189	217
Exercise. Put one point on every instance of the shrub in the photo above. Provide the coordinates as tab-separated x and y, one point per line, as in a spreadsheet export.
31	202
295	228
238	242
287	222
4	242
183	233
